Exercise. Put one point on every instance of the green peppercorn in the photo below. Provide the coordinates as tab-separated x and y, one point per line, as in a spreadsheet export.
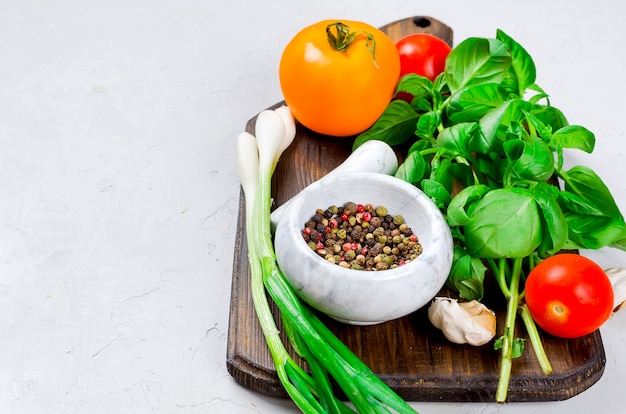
398	220
381	211
349	255
341	234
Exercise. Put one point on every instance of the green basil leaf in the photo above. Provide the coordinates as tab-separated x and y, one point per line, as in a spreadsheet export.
413	169
456	213
418	86
594	232
542	130
457	137
578	205
395	126
505	223
522	70
467	275
589	226
427	125
436	191
517	347
498	343
476	61
420	145
556	225
549	115
585	183
473	102
541	94
532	160
495	124
575	136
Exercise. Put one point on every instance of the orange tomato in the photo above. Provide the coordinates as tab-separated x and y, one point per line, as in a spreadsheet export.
339	90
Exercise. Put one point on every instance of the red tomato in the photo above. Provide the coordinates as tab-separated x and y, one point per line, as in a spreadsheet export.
569	296
423	54
338	77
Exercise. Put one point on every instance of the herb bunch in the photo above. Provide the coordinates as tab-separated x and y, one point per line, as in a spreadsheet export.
487	146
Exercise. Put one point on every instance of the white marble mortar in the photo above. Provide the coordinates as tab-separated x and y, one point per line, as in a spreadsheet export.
356	296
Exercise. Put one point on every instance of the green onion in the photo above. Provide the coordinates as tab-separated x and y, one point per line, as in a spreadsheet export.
329	360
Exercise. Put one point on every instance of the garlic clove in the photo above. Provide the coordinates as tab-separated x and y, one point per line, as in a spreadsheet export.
482	315
463	323
617	276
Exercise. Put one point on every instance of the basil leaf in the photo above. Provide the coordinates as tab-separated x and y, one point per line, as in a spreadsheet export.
436	191
522	70
457	137
496	123
456	213
575	136
472	103
585	183
540	129
593	232
427	125
549	115
556	233
413	169
395	126
518	347
532	160
476	61
505	223
467	275
418	86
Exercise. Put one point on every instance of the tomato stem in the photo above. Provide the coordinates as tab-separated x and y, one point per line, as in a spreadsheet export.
342	41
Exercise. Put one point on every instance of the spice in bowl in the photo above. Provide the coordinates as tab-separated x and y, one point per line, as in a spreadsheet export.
361	237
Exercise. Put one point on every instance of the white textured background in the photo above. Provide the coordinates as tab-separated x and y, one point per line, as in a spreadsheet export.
119	192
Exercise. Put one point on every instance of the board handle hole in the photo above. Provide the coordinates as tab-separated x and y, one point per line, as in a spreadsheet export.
422	22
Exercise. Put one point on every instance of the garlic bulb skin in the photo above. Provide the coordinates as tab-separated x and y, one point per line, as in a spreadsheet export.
463	323
617	276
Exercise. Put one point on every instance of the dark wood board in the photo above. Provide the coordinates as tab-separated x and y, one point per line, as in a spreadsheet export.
411	356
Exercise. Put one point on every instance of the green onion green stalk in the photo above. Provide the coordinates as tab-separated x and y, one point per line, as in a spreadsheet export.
329	361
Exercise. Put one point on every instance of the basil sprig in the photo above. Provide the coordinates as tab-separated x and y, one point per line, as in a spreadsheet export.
488	148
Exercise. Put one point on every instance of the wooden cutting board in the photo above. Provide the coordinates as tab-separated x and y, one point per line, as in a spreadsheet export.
411	356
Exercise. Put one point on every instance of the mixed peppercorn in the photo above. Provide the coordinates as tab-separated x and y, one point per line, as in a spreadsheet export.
361	237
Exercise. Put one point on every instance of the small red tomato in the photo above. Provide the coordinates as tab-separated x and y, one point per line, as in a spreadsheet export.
569	296
423	54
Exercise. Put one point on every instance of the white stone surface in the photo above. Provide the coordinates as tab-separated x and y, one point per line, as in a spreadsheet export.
119	192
